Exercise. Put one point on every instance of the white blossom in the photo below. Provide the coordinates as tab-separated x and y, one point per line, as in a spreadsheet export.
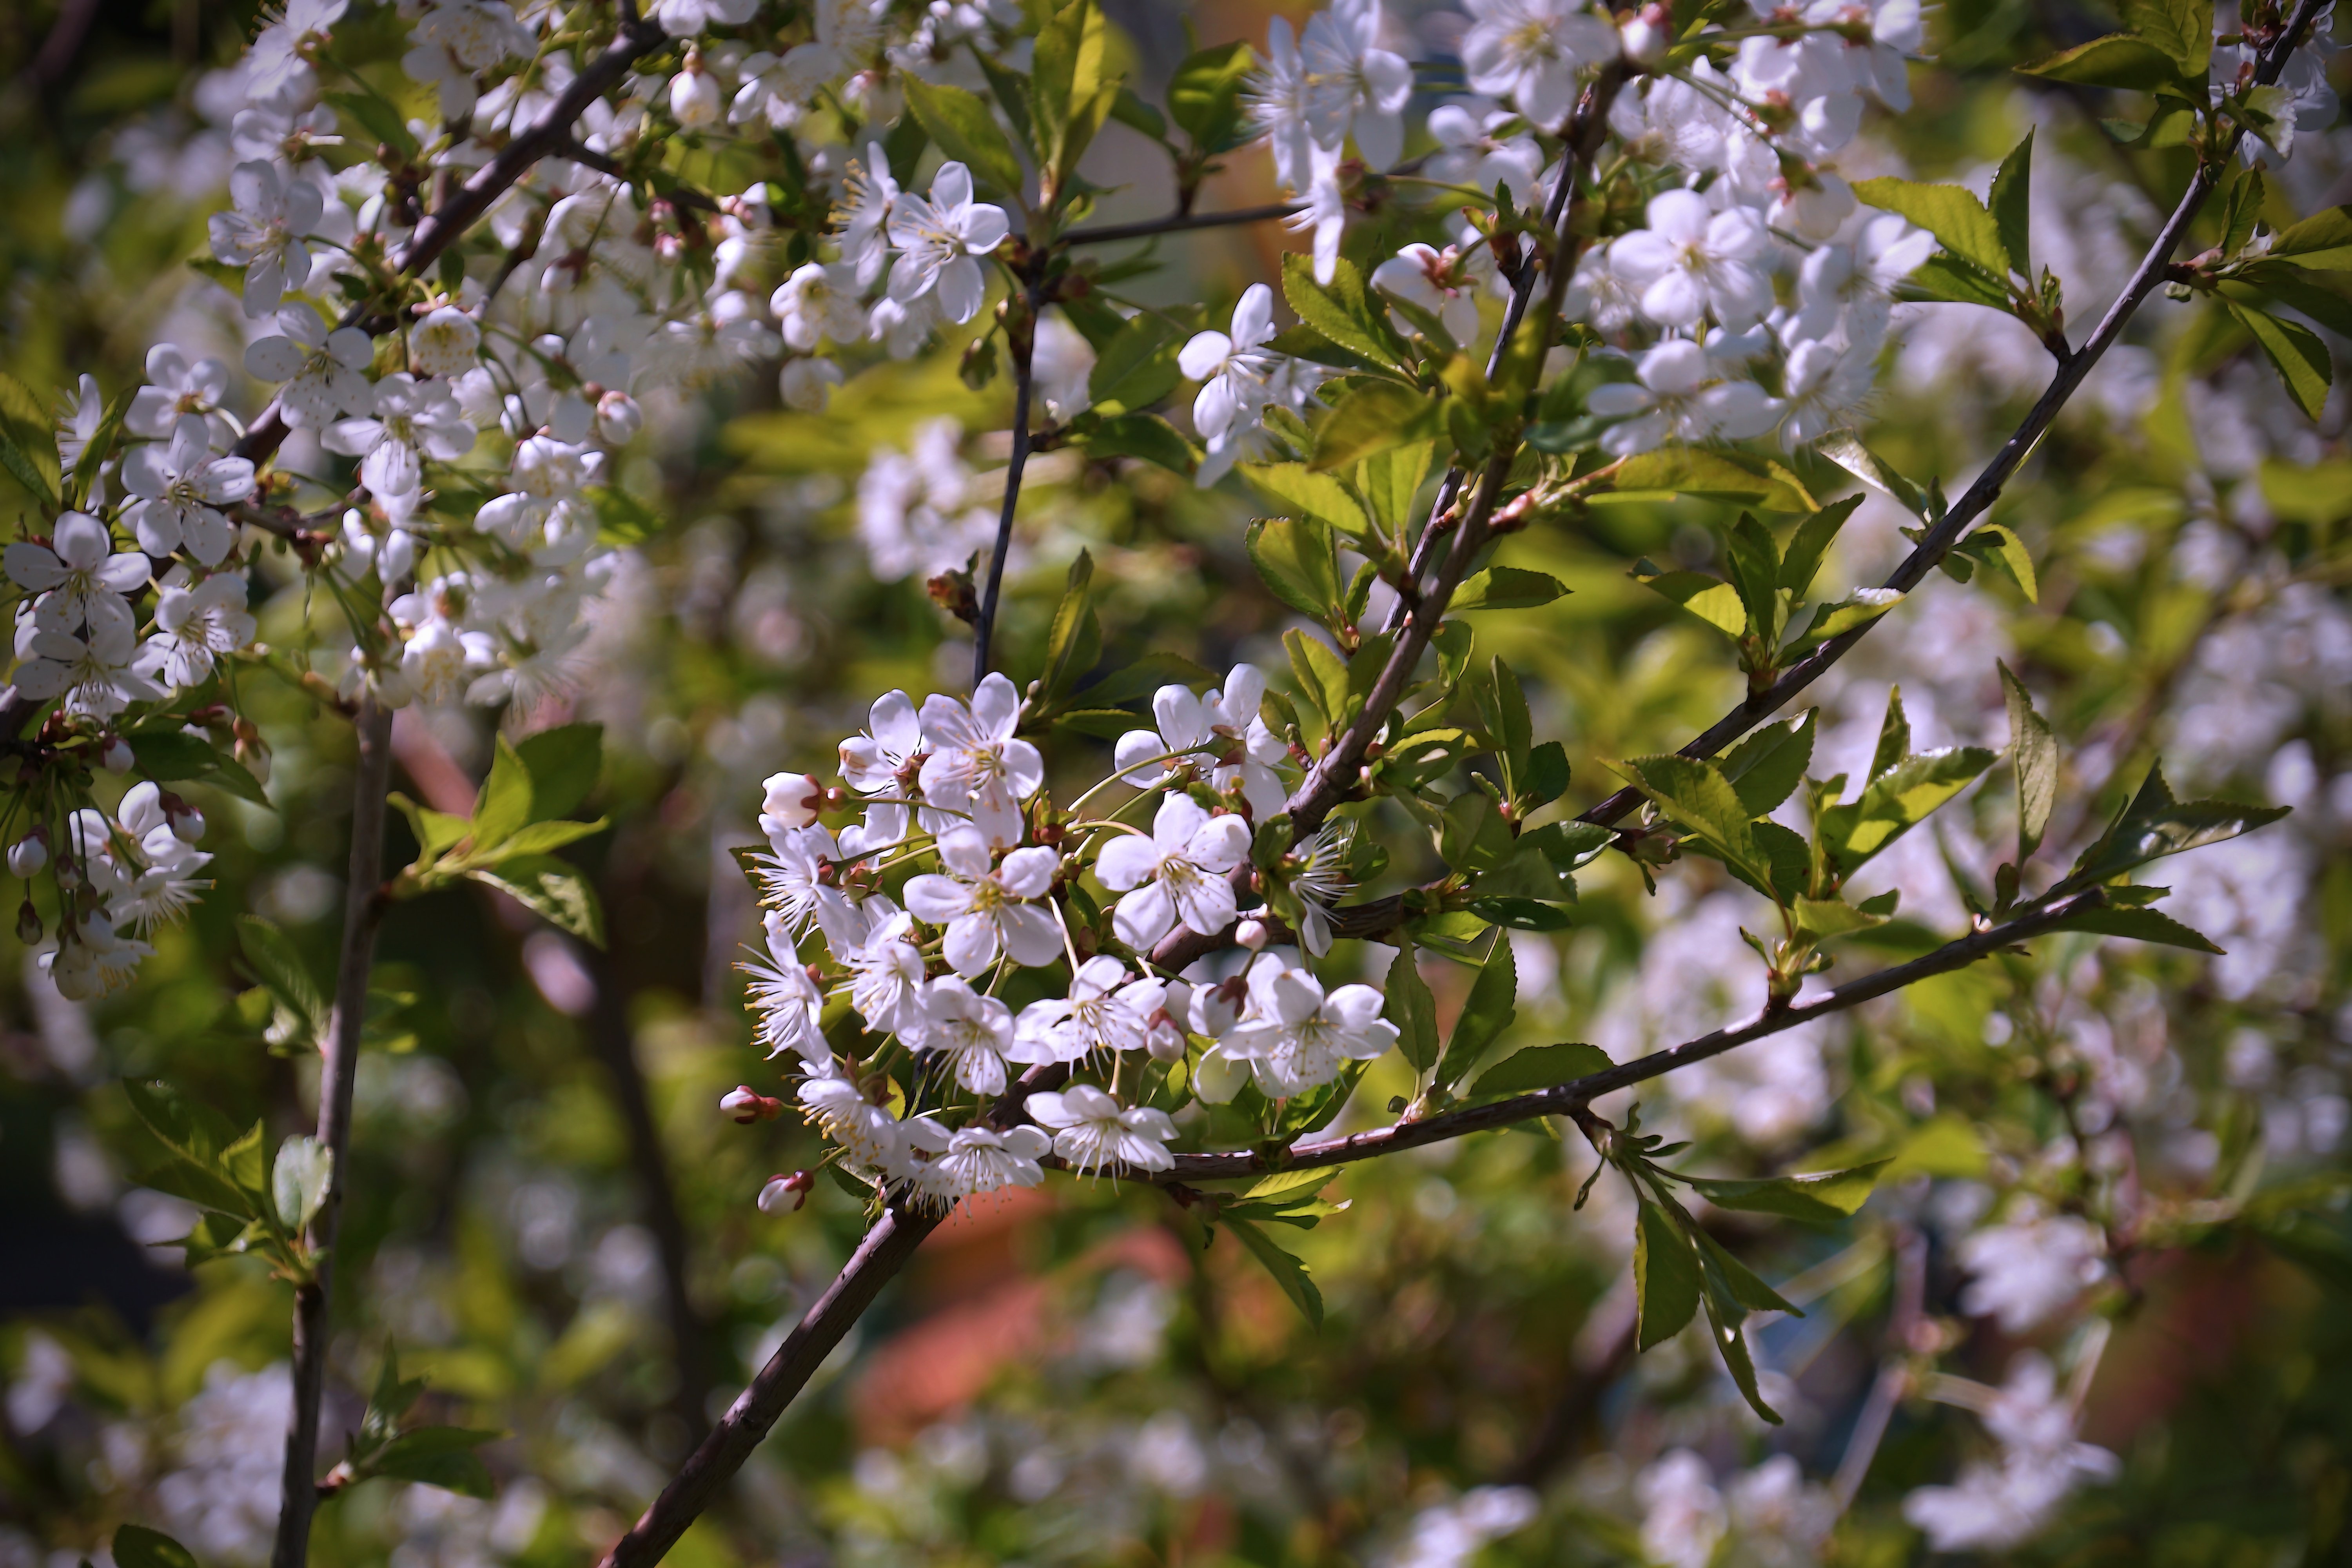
986	907
1176	875
938	240
1093	1132
180	488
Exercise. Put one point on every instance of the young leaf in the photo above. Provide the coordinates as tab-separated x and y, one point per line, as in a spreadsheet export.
136	1546
1722	1319
1894	737
959	121
2139	925
1505	588
1299	493
1873	470
552	889
1294	556
2116	60
1695	794
1897	802
1711	599
1392	479
1546	774
1339	310
2183	29
1766	767
564	763
278	965
1503	708
1665	1276
1858	608
1288	1272
1138	367
2012	205
1147	437
1412	1010
299	1181
1543	1067
1377	416
1817	1200
1321	674
1735	1281
440	1457
1075	643
2295	351
1951	213
2034	757
1802	562
505	800
1493	1003
1204	95
2155	825
2322	241
1752	561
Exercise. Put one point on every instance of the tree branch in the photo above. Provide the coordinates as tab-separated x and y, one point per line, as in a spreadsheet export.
1180	222
363	912
1021	337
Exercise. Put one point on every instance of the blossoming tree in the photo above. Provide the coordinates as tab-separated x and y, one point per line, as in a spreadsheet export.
1097	919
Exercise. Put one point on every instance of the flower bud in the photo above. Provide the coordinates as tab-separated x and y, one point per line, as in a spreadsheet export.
28	923
797	1184
747	1107
618	418
253	755
115	755
792	800
29	853
1647	33
1253	934
187	822
694	97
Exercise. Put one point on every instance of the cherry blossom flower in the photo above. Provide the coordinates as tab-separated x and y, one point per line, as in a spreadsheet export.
696	350
1354	84
1177	875
1691	261
1095	1014
1222	728
324	373
868	1135
194	625
1995	1506
264	233
179	489
978	1159
414	420
447	343
888	759
455	41
794	878
1324	212
985	907
1233	369
971	1032
179	389
938	240
1472	149
818	302
785	1002
689	18
885	970
807	384
1533	51
1435	282
869	196
1275	98
1296	1038
77	565
975	762
1093	1132
1848	290
1679	397
2022	1272
1823	388
91	670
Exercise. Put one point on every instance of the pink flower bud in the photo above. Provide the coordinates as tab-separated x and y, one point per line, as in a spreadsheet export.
618	418
797	1185
115	756
29	853
747	1106
1253	935
792	800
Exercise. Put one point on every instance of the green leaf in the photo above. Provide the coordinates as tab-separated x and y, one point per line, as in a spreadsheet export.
622	520
275	962
1505	588
2282	282
2183	29
1898	801
1204	95
1695	793
1546	774
1302	493
1137	115
1412	1009
1138	367
136	1546
1075	643
1321	674
379	116
1874	471
1817	1200
2295	351
1339	310
1392	481
1711	599
2034	757
188	1128
2012	205
27	448
1802	562
1288	1272
1543	1067
1894	737
1294	556
1493	1003
1375	417
1503	708
959	121
1766	768
1712	476
440	1457
1299	1186
2322	241
564	763
1723	1321
1144	676
1665	1276
1519	913
1147	437
2116	60
1946	280
503	803
1858	608
1752	561
1823	918
540	838
299	1181
554	889
1951	213
2155	825
167	756
2001	548
2139	925
1734	1281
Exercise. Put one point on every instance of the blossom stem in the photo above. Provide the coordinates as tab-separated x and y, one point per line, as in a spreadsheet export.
363	905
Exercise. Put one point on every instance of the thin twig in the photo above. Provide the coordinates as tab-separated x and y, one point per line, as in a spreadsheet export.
1021	337
363	912
1180	222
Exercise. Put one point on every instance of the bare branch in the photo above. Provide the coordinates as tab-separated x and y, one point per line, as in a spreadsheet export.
363	912
1021	337
1180	222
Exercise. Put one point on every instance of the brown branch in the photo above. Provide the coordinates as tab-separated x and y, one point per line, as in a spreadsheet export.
1021	337
1180	222
363	912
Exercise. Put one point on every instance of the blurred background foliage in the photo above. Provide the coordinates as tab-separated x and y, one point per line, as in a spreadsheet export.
550	1224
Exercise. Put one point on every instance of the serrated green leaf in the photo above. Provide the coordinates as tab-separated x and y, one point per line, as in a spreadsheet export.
2138	925
1898	801
1339	310
1711	599
2183	29
1803	562
1412	1008
1492	1004
1392	481
1377	416
1321	675
1766	768
440	1457
1723	1319
1505	588
1695	794
1543	1067
503	803
2011	204
1288	1272
299	1180
2302	360
1138	367
1951	213
1858	608
564	763
1143	676
2118	60
2155	825
959	121
554	889
2034	758
1665	1276
1822	1199
1300	492
1204	95
1146	437
2322	241
136	1546
1294	555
